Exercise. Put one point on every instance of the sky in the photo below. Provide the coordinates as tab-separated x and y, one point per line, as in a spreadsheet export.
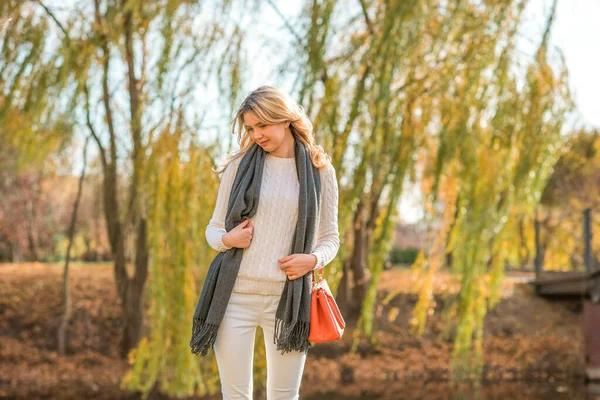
575	31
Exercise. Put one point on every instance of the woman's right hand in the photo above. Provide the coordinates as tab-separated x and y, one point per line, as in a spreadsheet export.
240	236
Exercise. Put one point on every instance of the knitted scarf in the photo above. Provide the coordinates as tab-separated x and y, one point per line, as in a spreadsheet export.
292	317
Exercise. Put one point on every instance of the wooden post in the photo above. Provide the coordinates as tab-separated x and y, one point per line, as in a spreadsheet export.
591	308
538	250
591	327
587	237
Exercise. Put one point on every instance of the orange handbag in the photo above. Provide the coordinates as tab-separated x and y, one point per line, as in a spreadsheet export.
326	322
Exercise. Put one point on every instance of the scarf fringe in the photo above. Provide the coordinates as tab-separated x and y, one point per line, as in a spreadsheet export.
291	338
203	336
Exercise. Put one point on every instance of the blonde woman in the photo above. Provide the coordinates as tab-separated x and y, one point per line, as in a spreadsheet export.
278	242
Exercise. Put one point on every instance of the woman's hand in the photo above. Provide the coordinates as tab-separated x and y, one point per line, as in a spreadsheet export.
240	236
297	265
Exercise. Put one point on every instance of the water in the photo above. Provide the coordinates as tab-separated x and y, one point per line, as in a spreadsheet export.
444	391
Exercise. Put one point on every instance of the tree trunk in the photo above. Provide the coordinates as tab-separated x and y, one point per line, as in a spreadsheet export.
129	289
524	249
354	282
132	304
33	254
62	330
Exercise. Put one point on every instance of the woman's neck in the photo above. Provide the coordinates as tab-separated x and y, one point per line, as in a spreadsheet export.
286	148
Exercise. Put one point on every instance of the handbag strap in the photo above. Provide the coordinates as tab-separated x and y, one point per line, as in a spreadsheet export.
320	272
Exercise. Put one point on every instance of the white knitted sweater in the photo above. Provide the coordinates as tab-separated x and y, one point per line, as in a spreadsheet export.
275	224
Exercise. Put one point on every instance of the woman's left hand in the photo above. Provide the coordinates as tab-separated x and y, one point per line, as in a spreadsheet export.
297	265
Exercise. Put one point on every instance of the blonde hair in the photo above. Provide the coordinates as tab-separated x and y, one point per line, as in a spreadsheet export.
272	105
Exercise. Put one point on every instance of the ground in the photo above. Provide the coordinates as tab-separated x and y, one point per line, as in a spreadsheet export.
528	343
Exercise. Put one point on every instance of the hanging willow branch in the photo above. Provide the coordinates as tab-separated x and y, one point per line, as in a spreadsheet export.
431	89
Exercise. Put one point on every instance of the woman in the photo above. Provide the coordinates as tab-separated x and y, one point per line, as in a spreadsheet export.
271	120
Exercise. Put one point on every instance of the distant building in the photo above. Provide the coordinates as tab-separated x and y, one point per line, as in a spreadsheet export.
407	236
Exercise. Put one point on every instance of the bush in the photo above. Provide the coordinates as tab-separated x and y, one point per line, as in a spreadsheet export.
404	256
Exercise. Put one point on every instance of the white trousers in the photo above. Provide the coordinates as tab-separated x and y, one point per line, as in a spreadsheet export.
234	350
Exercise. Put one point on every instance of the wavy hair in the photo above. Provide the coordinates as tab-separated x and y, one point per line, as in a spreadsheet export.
271	105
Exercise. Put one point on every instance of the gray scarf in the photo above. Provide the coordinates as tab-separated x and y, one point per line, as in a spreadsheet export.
292	317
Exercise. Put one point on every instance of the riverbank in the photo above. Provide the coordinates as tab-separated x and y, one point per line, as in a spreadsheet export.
528	342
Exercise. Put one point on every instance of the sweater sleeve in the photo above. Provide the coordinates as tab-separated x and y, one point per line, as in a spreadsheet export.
328	237
216	227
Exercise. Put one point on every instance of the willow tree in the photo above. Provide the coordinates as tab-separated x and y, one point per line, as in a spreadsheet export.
570	191
120	71
180	184
503	153
432	88
32	125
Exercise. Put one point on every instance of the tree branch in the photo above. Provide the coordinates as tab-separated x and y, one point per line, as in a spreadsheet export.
51	14
287	24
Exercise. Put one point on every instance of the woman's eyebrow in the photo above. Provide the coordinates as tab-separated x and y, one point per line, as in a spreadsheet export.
249	126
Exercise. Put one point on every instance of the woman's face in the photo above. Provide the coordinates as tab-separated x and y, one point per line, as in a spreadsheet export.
269	137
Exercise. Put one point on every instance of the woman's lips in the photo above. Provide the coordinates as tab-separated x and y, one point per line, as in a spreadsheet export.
263	143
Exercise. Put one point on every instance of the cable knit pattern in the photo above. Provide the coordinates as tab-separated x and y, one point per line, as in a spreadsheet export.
275	224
